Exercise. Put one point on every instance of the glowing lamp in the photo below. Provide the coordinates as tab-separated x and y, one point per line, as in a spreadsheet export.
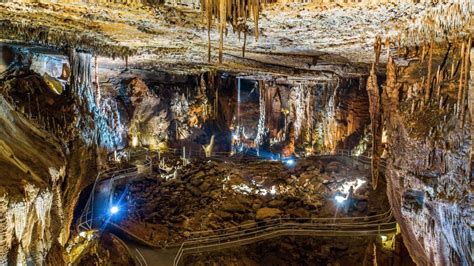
384	238
134	141
290	162
83	234
340	199
114	210
235	137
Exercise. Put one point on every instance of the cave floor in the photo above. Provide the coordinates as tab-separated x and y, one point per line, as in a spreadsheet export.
211	195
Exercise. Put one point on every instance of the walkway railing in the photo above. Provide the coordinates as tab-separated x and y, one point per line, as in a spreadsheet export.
240	235
246	234
85	221
189	154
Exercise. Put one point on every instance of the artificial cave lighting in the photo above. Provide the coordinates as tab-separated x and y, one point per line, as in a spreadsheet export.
114	210
356	184
340	199
135	141
189	125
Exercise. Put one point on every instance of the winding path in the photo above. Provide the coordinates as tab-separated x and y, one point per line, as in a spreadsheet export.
204	241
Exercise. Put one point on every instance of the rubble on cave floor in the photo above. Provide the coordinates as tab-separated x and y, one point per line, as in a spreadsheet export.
162	209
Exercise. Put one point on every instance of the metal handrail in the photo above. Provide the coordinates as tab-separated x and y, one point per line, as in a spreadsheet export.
284	229
254	230
387	213
271	226
110	175
292	225
290	221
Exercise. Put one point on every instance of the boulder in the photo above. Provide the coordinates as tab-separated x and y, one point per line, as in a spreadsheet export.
194	190
299	213
265	213
233	207
223	215
196	181
276	203
205	186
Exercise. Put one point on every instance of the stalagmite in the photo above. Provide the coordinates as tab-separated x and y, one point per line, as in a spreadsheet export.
209	147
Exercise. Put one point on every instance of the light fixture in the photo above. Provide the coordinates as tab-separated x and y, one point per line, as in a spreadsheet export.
114	210
340	199
289	162
134	141
83	234
384	238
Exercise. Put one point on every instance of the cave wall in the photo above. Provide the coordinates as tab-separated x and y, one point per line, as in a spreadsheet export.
428	146
322	116
30	199
54	136
159	109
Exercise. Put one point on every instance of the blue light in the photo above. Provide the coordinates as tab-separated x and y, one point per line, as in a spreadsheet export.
289	162
114	210
340	199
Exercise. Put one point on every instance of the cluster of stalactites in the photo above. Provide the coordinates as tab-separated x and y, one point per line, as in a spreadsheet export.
423	94
234	12
446	19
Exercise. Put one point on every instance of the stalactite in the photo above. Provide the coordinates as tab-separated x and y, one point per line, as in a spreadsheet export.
376	124
428	78
392	88
208	10
234	12
438	82
222	25
97	86
461	75
377	49
245	42
466	77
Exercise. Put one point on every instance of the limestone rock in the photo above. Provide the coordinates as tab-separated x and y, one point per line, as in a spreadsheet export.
265	213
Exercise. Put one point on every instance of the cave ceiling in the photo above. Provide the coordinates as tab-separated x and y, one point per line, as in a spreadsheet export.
297	39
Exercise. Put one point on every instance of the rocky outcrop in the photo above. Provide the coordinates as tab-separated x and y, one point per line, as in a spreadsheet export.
31	205
51	142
